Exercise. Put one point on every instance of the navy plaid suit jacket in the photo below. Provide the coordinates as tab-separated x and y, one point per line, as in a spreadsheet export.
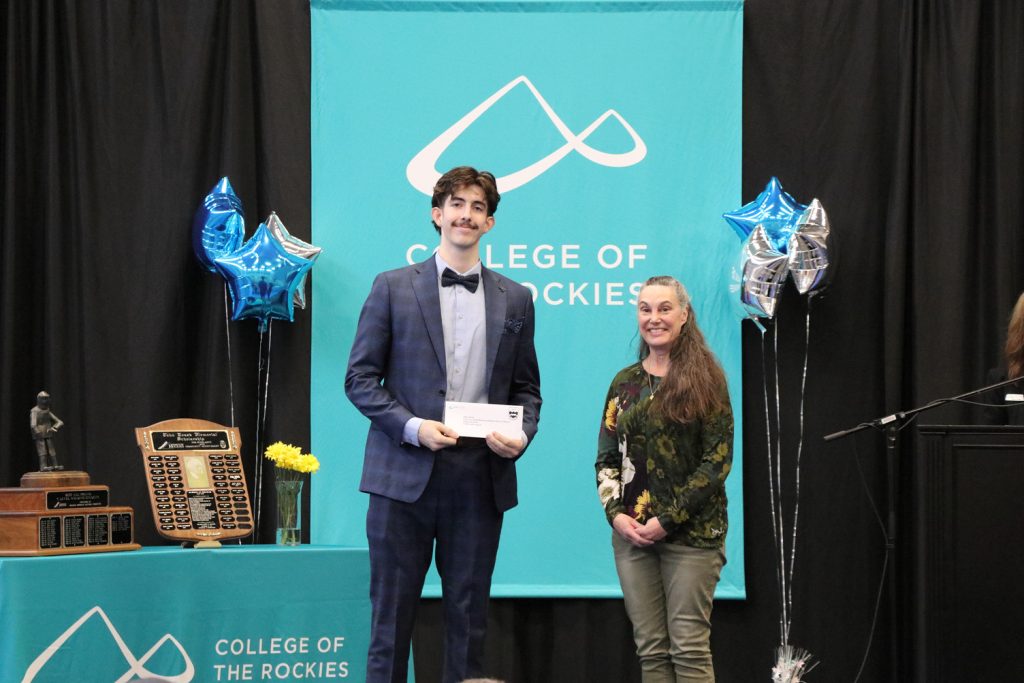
396	371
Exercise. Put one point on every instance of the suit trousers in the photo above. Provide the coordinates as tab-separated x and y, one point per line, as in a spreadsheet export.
668	591
457	520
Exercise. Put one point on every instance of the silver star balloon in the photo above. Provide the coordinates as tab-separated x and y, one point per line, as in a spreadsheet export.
764	273
810	252
296	247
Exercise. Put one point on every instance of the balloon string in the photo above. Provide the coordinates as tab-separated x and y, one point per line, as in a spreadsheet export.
799	453
778	485
263	398
227	334
258	458
266	395
771	481
266	378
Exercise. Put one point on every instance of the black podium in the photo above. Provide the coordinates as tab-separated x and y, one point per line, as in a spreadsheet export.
967	535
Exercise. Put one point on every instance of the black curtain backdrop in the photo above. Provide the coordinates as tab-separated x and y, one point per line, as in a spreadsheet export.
903	117
118	118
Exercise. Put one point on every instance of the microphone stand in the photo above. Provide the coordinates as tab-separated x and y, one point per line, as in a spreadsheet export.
891	425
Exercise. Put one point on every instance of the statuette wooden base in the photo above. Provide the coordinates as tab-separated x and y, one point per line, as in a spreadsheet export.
61	513
54	479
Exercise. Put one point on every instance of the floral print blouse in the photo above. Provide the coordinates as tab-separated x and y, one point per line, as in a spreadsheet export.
648	466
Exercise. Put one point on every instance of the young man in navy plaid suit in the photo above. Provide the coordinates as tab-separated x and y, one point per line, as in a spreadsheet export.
444	329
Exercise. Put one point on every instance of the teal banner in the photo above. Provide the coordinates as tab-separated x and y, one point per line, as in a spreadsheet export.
237	613
614	131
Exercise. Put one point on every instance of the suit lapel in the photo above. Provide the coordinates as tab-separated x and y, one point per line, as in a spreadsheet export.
424	284
494	291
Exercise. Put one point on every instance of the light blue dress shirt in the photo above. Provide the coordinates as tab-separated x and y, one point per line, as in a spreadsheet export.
464	322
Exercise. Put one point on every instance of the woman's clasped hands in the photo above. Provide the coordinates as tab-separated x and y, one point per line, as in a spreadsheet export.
640	535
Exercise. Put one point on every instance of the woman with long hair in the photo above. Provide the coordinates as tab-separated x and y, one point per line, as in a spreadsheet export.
664	452
1000	408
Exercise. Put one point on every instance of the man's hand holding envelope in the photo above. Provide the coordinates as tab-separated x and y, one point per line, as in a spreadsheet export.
500	425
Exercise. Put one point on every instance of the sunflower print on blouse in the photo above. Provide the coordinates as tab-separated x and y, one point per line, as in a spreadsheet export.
648	466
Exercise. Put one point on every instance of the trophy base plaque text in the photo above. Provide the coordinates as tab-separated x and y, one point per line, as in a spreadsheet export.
61	513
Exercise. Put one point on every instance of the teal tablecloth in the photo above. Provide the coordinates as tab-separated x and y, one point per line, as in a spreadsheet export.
237	613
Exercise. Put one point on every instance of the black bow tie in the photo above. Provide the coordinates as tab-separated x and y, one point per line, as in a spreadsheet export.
449	277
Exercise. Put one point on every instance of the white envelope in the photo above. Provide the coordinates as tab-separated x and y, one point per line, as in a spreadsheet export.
480	419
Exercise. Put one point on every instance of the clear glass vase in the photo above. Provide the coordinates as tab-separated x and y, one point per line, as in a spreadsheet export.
289	507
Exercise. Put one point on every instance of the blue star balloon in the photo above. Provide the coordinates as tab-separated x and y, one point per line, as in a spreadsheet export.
774	209
293	245
262	277
218	227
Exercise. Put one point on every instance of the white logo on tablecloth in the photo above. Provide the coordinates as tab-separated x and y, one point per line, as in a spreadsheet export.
422	170
136	667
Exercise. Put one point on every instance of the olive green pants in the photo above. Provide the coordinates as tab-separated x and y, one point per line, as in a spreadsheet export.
668	591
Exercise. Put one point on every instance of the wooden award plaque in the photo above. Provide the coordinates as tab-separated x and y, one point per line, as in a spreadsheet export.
196	481
61	513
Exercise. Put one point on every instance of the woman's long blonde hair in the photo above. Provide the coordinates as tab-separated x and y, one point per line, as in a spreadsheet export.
695	384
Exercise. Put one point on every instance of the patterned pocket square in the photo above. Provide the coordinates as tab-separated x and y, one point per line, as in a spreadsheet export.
513	326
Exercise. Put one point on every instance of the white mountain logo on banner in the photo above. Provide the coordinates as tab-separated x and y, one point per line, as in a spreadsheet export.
422	170
136	667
